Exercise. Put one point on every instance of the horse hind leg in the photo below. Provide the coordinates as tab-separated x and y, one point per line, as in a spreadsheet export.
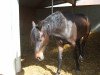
82	46
80	50
76	57
78	43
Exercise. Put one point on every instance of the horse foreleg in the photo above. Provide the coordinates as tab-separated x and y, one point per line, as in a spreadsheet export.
60	51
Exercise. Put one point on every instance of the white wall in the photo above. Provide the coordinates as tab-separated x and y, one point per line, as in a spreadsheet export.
9	38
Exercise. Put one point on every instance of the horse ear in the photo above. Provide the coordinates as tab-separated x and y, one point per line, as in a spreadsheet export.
33	24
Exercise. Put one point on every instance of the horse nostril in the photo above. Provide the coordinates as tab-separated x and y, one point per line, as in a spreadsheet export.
38	58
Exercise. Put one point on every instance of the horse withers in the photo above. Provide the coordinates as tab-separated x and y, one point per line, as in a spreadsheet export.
66	28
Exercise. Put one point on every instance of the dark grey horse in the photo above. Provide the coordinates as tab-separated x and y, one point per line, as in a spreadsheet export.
68	29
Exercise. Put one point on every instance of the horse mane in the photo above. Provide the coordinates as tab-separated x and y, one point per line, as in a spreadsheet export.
52	22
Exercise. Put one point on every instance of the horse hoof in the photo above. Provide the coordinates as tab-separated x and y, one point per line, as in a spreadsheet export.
81	58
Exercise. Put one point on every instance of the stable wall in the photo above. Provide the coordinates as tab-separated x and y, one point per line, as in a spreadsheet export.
26	17
93	12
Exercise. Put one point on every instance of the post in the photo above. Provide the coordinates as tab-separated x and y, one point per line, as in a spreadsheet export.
52	7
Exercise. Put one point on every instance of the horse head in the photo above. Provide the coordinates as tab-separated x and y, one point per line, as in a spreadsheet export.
40	39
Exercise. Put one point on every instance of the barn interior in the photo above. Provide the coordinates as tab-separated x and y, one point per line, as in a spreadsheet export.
35	10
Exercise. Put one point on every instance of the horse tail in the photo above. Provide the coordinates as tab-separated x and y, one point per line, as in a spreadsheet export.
85	37
88	24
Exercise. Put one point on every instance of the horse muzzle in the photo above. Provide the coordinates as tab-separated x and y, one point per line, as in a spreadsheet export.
39	56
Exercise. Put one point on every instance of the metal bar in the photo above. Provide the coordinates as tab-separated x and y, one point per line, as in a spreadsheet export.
52	7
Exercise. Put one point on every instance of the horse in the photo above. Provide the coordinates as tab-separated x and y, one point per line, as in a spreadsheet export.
67	29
